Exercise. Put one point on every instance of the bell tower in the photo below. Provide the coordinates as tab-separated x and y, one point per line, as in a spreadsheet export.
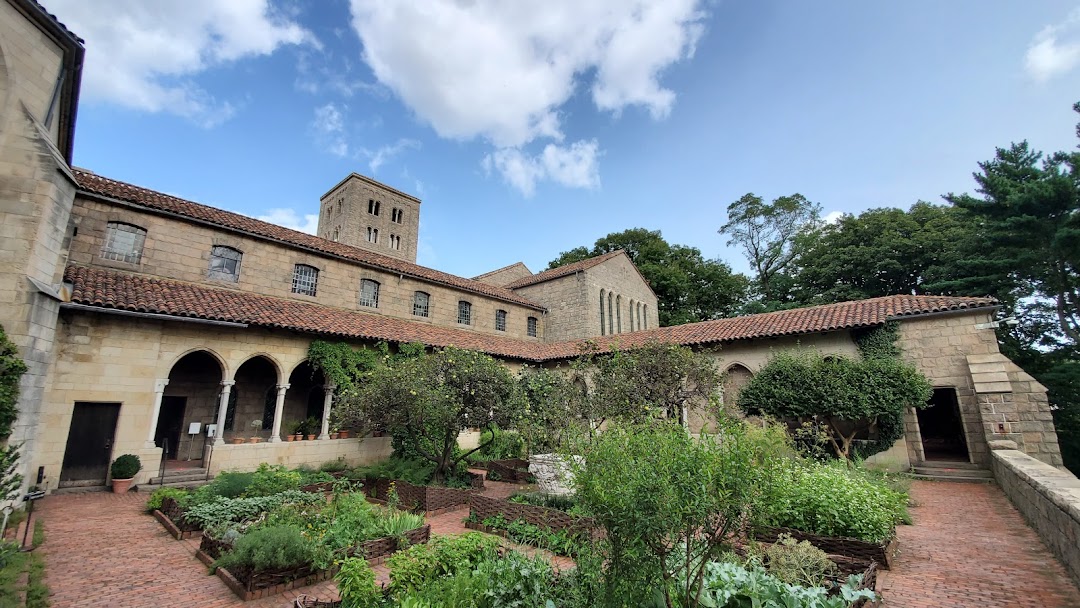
362	212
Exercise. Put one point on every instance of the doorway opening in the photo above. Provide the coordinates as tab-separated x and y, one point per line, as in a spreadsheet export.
89	444
170	425
942	428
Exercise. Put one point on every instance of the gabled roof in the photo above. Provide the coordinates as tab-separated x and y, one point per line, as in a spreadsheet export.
111	289
93	184
481	277
562	271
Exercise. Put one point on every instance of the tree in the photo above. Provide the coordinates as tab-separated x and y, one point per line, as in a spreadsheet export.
428	399
767	231
849	396
688	287
554	404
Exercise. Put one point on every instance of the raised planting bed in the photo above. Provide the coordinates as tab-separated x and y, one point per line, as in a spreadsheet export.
306	601
861	550
423	499
511	470
484	507
171	516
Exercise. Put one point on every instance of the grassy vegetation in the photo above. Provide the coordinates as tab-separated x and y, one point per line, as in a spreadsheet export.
16	564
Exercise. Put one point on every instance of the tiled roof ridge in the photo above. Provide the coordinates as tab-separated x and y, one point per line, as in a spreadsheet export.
565	270
93	183
498	270
143	293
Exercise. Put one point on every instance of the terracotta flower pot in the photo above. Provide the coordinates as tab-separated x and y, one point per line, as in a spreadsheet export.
290	437
255	440
343	434
311	437
298	436
334	435
236	440
121	486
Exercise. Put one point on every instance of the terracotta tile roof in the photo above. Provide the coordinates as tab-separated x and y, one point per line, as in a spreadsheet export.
563	271
815	319
90	183
140	293
498	270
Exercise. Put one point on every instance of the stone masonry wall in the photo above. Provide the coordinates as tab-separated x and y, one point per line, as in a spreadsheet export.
344	211
178	249
1048	498
938	346
618	276
565	318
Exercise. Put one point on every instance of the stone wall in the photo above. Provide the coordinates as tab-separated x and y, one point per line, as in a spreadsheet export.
248	456
179	249
1049	499
566	317
343	213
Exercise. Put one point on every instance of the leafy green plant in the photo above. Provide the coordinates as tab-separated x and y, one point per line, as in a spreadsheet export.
334	466
126	466
542	499
10	480
729	584
11	370
509	581
268	548
559	542
798	563
832	499
272	479
356	584
415	567
220	510
228	484
160	494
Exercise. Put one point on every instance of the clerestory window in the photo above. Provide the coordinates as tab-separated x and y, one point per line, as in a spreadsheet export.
123	242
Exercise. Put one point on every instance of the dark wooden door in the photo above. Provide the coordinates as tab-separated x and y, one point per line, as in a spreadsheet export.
170	424
89	443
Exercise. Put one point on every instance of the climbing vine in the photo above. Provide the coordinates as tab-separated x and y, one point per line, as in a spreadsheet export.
347	367
879	342
11	369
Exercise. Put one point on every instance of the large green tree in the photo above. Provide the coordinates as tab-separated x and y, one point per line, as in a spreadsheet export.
688	287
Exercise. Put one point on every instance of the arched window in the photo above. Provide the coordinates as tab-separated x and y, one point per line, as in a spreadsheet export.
631	316
377	205
225	263
603	323
464	313
646	310
421	304
640	326
500	320
610	313
369	293
532	327
618	314
123	242
371	206
305	279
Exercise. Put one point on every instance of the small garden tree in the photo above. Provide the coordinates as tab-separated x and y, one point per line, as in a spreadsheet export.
655	379
11	370
850	396
554	404
428	399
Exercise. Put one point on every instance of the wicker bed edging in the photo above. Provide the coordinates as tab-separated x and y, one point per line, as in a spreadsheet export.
483	507
848	547
511	470
423	499
170	516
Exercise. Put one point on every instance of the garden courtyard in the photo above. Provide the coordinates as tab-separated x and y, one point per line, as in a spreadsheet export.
967	547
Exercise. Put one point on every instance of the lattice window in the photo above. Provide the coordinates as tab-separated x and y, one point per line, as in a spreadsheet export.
500	320
123	242
305	279
464	313
421	304
531	327
225	263
369	293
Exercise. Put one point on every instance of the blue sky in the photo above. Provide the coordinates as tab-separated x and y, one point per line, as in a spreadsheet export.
528	128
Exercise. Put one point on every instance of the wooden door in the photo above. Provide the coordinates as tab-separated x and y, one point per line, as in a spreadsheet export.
89	444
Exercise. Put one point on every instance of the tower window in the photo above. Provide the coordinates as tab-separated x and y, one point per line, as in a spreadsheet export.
369	293
396	215
123	242
373	206
372	235
531	327
421	304
395	242
646	325
500	320
305	279
225	263
464	313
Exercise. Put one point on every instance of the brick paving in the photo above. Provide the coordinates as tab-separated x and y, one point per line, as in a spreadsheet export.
970	547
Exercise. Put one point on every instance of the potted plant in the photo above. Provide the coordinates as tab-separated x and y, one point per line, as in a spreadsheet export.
236	440
334	431
343	433
123	470
256	426
292	430
312	424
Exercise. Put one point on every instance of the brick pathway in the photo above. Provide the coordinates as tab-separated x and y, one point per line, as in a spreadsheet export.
970	547
102	549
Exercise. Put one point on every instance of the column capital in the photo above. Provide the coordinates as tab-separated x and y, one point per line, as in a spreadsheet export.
329	387
283	387
160	384
228	382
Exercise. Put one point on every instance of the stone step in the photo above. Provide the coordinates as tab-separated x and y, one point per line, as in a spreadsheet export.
948	464
184	485
943	472
178	477
956	479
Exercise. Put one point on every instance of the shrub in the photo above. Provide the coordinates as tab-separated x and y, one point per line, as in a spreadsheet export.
268	548
126	466
334	466
831	500
497	444
413	470
660	493
225	485
11	370
356	584
272	479
798	563
541	499
512	580
160	494
415	567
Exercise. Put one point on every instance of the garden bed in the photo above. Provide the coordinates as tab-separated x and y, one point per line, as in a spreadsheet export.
484	507
423	499
847	547
171	516
510	470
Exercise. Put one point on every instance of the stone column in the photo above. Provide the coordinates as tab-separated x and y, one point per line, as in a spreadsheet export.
159	390
328	399
275	435
223	408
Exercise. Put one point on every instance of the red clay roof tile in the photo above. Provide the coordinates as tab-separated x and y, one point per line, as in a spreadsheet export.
563	271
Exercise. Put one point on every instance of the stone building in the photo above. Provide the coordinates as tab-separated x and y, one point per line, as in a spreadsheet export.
172	329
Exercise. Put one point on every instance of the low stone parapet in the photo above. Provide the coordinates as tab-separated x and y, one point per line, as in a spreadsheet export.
1049	499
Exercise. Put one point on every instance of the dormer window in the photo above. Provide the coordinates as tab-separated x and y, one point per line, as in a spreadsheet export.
123	242
225	263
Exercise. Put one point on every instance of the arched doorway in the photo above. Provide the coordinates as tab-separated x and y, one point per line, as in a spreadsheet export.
256	389
737	376
191	396
304	401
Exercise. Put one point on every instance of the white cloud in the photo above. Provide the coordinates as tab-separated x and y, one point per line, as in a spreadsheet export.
329	127
573	166
502	71
832	217
143	55
1055	50
385	153
289	218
